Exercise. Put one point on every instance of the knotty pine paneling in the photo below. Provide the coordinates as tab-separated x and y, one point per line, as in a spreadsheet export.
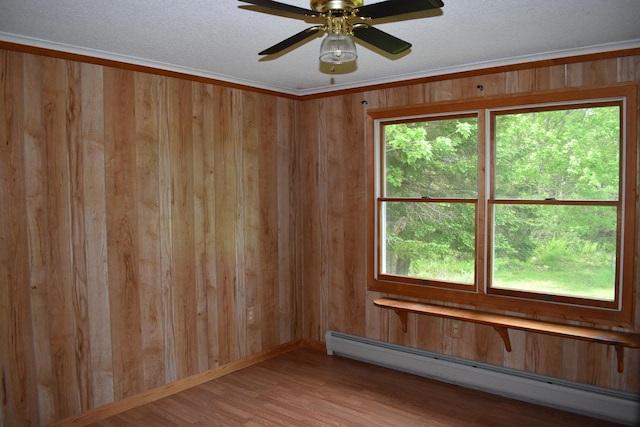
141	216
331	132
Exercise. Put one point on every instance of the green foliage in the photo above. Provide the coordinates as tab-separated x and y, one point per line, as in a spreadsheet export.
514	228
565	154
553	253
436	158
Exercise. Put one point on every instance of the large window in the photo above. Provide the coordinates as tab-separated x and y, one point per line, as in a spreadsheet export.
522	204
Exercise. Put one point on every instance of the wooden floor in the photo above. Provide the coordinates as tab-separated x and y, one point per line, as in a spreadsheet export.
308	388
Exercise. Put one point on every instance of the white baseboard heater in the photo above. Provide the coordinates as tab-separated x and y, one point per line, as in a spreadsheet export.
597	402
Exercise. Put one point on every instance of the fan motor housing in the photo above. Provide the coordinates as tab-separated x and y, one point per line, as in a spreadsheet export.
323	6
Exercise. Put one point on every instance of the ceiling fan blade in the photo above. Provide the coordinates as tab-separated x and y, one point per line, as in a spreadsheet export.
380	39
296	38
282	7
397	7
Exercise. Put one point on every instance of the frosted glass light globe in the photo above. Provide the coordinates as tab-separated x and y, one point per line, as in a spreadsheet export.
338	49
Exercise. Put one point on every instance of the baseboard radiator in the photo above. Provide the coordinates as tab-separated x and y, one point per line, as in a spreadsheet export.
597	402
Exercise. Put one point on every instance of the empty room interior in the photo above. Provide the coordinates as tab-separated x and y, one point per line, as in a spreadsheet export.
186	216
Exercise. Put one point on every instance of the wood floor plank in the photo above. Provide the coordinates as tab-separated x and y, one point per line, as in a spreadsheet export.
308	388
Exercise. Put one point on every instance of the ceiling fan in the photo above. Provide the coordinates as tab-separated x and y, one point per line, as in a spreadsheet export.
345	19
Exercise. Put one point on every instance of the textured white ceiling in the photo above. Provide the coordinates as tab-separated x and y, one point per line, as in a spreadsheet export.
220	39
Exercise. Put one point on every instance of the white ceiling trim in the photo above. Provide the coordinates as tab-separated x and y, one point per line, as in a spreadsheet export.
109	56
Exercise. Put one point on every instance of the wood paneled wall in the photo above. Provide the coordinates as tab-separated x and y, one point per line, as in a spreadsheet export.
331	132
141	216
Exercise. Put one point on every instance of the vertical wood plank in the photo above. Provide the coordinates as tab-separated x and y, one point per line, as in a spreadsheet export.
165	237
465	345
35	162
431	331
122	232
79	283
416	94
489	347
599	73
515	358
210	271
268	296
322	224
202	136
298	290
630	381
226	107
183	274
239	223
378	99
397	96
93	152
59	251
307	134
315	199
544	355
474	87
626	69
467	87
18	395
148	223
441	90
250	215
570	359
286	169
594	364
346	208
526	81
355	244
336	186
376	319
549	78
574	74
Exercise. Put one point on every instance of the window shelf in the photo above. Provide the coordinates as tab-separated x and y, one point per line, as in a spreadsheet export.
502	323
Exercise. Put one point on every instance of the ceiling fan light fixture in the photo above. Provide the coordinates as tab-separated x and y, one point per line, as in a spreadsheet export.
338	49
346	19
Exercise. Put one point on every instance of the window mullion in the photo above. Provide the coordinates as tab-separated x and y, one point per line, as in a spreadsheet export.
482	222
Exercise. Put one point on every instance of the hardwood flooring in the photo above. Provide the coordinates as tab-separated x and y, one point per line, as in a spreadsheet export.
308	388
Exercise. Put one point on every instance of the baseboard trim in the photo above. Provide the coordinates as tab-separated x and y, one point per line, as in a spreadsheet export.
110	409
597	402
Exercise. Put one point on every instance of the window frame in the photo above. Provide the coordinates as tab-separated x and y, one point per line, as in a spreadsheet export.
381	200
480	295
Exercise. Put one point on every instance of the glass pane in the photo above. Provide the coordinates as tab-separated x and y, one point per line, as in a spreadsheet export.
556	250
435	158
432	241
569	154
